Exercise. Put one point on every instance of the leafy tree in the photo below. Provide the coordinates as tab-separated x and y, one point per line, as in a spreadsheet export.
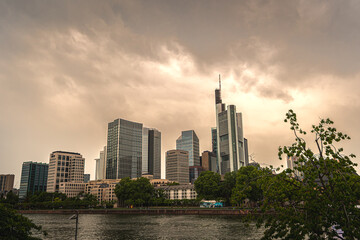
227	186
323	200
137	192
207	185
11	198
248	185
15	226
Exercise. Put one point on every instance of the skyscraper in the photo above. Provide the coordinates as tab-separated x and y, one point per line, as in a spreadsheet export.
177	166
6	183
33	178
64	167
124	149
230	139
151	152
188	141
100	167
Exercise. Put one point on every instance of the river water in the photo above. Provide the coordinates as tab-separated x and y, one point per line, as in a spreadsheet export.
107	226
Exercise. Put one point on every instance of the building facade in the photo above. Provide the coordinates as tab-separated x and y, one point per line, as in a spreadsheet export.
33	178
6	183
86	178
151	152
177	166
64	167
209	162
179	192
194	173
100	167
229	136
188	141
124	149
72	189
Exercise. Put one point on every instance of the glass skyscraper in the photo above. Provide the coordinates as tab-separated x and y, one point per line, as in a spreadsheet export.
151	152
188	141
33	178
124	149
229	136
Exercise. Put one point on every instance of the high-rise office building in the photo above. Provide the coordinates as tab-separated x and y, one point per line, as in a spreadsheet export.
214	140
33	178
6	183
188	141
151	152
64	167
246	150
124	149
177	166
209	161
100	167
230	139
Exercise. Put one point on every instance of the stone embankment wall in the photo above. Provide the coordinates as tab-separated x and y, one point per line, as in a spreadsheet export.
142	211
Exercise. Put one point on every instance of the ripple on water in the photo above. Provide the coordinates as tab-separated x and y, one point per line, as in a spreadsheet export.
102	226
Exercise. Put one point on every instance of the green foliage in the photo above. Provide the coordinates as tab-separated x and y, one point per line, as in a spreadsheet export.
137	192
207	185
15	226
323	197
249	180
11	198
227	186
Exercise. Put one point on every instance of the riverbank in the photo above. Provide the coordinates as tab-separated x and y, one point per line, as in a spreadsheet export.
160	211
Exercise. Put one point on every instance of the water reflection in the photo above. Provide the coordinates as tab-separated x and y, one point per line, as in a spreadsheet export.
100	226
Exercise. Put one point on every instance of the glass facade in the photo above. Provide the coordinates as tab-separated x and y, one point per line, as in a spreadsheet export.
229	144
33	178
188	141
124	149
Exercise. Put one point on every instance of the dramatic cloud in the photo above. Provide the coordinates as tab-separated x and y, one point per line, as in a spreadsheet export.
67	68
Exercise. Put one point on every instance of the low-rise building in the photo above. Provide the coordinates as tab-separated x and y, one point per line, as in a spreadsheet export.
178	192
103	189
72	189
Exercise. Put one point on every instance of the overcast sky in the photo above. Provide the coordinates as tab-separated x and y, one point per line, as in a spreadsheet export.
67	68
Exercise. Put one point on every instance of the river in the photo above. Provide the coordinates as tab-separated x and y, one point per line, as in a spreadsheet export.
109	226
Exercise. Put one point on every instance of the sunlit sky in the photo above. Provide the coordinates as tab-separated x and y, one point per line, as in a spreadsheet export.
67	68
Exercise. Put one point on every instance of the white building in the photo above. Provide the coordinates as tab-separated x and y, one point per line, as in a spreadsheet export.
64	167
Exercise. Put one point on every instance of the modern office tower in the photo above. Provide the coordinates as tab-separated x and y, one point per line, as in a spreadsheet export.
124	149
64	167
6	183
246	152
209	161
151	152
86	178
33	178
100	167
214	140
194	173
188	141
177	166
230	139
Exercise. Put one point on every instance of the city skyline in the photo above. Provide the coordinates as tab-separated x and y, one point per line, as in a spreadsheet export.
69	68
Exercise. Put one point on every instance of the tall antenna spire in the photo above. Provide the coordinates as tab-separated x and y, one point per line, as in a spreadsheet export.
219	82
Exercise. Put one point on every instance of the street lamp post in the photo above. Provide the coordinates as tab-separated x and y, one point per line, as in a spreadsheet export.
76	217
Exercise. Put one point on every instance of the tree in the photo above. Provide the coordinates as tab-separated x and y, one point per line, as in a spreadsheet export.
11	198
248	185
227	186
15	226
207	185
134	192
324	199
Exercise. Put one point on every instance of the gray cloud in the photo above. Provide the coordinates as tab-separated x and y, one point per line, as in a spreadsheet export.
68	68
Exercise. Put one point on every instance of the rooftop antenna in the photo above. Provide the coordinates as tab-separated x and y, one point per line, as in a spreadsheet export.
219	82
